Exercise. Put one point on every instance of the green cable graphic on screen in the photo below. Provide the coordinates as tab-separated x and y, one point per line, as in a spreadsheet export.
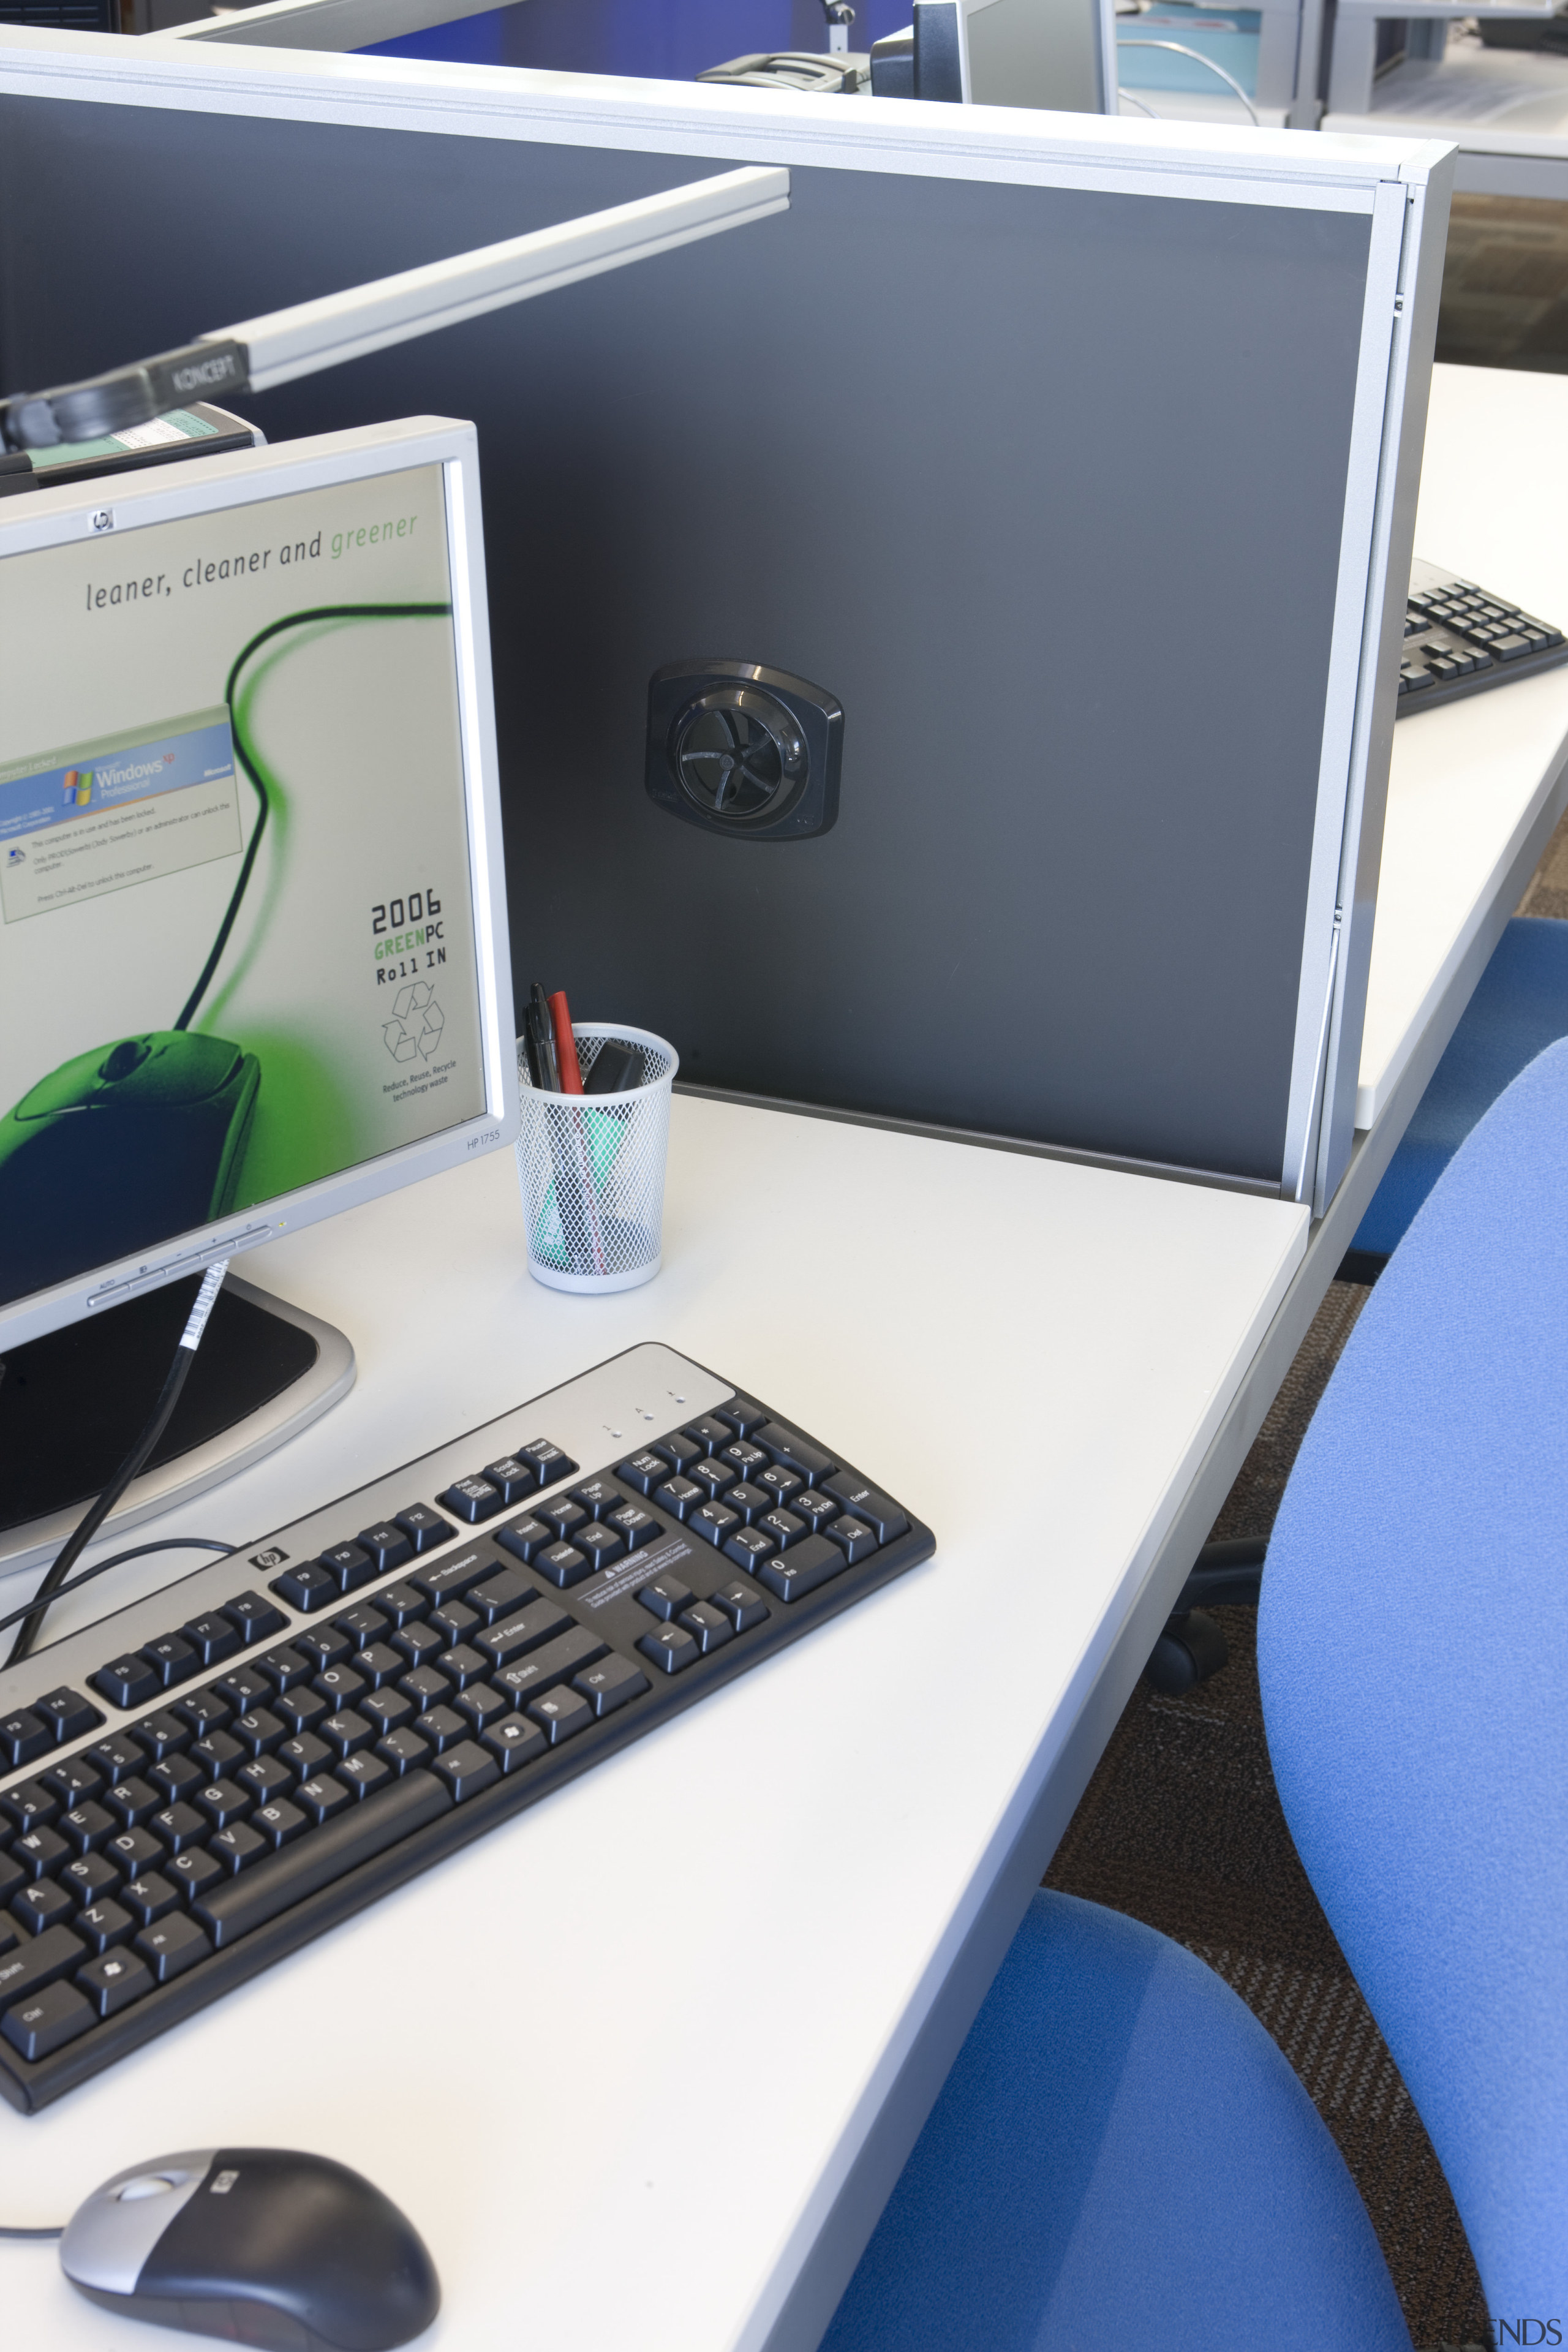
172	1110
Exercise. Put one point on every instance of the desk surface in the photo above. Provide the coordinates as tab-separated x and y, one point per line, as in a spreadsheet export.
617	2059
537	2048
1469	780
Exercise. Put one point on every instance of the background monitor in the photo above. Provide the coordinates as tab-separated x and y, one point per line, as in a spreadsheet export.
252	927
1054	54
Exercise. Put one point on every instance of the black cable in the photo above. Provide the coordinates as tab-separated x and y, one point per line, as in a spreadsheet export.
273	629
96	1514
102	1567
59	2232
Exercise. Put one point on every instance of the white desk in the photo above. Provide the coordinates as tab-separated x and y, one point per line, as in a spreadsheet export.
1059	1368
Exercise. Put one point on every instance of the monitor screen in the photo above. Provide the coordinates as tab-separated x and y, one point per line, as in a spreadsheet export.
240	945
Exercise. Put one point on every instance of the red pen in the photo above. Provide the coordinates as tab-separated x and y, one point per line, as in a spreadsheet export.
565	1045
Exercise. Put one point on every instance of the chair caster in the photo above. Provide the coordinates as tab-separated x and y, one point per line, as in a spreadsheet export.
1191	1649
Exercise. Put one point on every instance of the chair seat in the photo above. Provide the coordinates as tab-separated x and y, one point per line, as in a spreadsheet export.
1519	1007
1120	2157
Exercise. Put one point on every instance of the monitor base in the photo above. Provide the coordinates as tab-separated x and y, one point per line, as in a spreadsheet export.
73	1403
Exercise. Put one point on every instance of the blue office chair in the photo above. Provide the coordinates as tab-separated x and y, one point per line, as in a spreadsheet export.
1519	1007
1120	2156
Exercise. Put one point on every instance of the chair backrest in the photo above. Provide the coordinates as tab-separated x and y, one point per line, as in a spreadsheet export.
1413	1647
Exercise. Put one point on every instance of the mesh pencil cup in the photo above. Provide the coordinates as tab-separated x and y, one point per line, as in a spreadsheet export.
592	1169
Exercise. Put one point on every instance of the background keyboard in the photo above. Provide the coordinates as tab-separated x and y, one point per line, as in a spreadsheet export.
1459	640
210	1777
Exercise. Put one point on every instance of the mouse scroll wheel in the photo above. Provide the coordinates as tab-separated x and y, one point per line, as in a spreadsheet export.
128	1056
146	2184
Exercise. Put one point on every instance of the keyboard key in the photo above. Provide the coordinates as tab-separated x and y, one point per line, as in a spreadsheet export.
342	1685
178	1779
86	1827
644	1471
55	2017
665	1595
117	1756
557	1662
853	1537
708	1435
564	1565
598	1497
45	1904
548	1460
129	1681
710	1625
179	1826
163	1733
816	1509
427	1687
752	1503
236	1846
421	1644
260	1731
134	1851
28	1805
802	1569
402	1605
515	1635
103	1925
242	1687
309	1586
480	1704
511	1478
715	1522
37	1962
346	1731
387	1710
345	1839
299	1711
600	1543
380	1665
90	1877
363	1625
204	1711
561	1714
25	1737
113	1980
564	1515
466	1768
172	1946
635	1526
609	1685
442	1727
1509	647
265	1778
40	1853
173	1659
362	1774
193	1871
305	1756
67	1713
132	1802
743	1416
216	1753
473	1499
454	1622
742	1605
500	1593
223	1802
424	1528
525	1539
749	1546
255	1616
782	1528
277	1822
150	1898
452	1578
351	1562
404	1750
320	1796
746	1460
671	1647
11	1877
793	1452
868	1503
514	1741
213	1638
712	1475
680	1451
460	1667
325	1646
681	1497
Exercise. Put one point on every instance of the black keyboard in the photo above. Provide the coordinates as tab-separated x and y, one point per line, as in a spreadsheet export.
1459	640
209	1778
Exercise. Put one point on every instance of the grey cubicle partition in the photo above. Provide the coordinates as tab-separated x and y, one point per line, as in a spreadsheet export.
1071	456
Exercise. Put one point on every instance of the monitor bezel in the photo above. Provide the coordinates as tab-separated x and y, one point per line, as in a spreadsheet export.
54	518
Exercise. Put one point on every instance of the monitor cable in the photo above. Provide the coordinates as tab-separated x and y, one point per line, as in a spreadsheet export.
33	1615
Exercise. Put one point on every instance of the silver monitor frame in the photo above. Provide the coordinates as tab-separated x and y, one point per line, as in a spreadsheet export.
123	504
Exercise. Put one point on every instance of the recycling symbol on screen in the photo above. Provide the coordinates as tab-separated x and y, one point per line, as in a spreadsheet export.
414	1032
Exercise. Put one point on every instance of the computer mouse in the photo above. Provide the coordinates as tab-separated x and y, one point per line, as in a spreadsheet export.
255	2245
118	1149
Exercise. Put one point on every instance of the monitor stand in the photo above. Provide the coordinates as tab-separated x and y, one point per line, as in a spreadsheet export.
73	1403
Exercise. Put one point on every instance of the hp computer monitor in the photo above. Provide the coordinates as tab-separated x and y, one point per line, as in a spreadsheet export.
252	922
1059	55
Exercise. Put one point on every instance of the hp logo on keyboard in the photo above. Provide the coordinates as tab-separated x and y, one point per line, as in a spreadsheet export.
742	749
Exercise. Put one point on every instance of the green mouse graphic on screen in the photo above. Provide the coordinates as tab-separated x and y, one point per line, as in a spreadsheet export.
145	1136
